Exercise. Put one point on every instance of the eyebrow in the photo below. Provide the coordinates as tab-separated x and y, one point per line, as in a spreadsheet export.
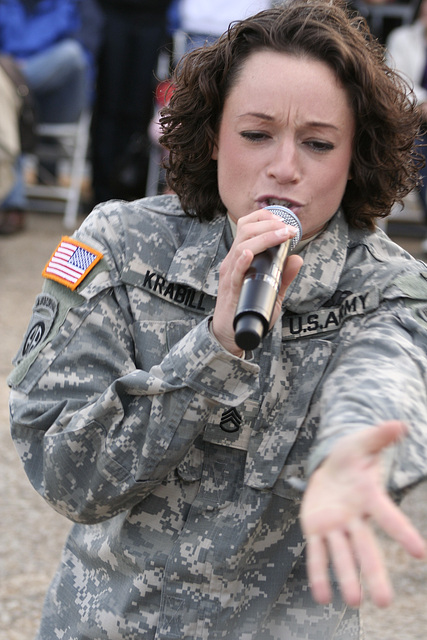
265	116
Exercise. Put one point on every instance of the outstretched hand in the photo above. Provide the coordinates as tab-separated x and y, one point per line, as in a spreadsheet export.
342	498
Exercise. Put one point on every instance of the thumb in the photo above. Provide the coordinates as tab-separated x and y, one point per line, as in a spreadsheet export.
386	433
290	272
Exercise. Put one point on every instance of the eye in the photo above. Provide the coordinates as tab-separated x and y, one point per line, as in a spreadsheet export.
255	136
320	146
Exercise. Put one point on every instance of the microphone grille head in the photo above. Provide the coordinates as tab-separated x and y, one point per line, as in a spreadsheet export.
290	218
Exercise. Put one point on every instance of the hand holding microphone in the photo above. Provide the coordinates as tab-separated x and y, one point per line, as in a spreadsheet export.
261	286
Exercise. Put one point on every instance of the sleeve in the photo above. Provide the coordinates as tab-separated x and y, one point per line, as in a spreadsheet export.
402	55
96	433
381	375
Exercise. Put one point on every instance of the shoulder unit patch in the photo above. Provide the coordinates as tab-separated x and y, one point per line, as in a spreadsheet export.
71	262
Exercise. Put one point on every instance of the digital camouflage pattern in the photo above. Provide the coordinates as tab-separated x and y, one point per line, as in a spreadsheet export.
182	465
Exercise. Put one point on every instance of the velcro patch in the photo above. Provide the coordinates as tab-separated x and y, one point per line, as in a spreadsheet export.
71	262
44	313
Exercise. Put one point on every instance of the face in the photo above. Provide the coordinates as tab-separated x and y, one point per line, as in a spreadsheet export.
285	137
422	15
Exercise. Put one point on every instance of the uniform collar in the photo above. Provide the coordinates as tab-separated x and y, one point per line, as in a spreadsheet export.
196	262
324	259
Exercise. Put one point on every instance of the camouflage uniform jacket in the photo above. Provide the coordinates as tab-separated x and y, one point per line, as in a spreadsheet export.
181	464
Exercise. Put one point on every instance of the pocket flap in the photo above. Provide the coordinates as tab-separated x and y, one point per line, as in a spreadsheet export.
299	371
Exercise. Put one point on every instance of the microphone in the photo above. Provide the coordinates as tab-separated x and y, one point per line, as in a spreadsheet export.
261	286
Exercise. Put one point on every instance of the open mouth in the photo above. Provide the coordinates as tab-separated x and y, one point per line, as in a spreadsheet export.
278	201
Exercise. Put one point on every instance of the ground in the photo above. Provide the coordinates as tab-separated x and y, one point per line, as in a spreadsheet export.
32	534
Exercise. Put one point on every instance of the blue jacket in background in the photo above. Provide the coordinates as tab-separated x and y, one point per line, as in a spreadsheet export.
28	27
25	31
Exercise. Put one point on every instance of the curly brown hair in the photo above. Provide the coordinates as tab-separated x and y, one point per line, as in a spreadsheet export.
385	164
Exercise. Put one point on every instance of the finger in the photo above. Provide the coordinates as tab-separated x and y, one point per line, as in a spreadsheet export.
258	223
374	440
394	522
371	562
272	237
241	266
263	231
345	567
293	265
318	569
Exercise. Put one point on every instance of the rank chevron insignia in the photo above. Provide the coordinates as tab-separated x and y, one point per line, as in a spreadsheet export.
231	420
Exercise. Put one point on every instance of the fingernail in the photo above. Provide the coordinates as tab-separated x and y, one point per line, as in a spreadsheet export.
286	231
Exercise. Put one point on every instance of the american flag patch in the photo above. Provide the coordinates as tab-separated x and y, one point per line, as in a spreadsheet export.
71	262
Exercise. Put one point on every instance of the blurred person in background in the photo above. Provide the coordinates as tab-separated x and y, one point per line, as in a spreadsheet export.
203	21
54	43
382	21
407	53
10	104
134	33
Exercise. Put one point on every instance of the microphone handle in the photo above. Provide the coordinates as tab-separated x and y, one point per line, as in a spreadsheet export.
258	296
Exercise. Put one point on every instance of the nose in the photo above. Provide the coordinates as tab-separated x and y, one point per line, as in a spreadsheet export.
284	164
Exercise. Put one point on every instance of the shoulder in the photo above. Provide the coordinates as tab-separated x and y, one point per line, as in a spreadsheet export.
386	265
150	229
120	216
